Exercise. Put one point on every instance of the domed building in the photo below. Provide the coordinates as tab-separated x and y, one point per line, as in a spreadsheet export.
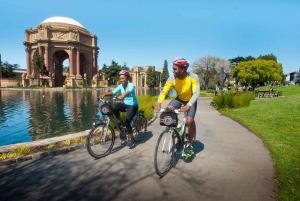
58	39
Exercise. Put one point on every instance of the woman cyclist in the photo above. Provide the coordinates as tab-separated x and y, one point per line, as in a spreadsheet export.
130	103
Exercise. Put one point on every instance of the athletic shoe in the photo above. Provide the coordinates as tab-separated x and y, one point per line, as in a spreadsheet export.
188	151
130	142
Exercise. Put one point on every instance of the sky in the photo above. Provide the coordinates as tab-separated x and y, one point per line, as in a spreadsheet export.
148	32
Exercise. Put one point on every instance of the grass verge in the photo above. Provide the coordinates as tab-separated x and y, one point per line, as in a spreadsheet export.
276	121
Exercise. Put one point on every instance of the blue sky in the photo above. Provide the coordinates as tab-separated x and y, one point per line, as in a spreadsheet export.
147	32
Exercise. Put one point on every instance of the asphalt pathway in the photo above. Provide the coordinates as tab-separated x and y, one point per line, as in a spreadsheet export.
231	163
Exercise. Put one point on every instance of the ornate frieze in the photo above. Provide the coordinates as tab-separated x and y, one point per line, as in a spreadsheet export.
60	35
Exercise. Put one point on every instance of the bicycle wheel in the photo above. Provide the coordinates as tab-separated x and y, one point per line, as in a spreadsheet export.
100	141
139	127
164	153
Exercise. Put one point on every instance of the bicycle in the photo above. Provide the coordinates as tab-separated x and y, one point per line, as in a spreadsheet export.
165	146
101	138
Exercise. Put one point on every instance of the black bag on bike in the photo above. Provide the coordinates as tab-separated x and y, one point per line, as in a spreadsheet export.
106	109
168	119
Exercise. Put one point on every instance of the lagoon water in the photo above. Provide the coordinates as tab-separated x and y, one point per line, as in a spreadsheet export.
29	115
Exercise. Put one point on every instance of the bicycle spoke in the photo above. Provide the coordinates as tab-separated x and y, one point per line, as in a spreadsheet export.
139	127
100	141
164	153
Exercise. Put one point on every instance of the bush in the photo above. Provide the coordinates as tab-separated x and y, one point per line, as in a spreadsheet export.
33	86
18	85
233	100
93	82
80	83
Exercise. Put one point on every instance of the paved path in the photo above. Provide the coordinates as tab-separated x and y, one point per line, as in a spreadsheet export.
231	163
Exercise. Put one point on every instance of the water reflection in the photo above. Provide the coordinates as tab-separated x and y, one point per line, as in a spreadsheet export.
28	115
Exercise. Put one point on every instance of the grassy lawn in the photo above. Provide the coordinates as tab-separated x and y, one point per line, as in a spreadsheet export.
277	121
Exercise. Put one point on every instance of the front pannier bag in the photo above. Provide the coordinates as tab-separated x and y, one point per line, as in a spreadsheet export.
168	119
106	109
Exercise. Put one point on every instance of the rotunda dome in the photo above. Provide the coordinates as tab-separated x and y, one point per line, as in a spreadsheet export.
64	20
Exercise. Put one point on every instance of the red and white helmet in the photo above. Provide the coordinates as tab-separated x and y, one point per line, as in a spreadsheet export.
124	72
181	62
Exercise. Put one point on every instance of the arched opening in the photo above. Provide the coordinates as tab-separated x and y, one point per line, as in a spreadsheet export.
85	67
59	57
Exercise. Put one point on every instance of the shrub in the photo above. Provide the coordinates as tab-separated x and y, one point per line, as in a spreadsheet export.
233	100
80	83
33	86
18	85
93	82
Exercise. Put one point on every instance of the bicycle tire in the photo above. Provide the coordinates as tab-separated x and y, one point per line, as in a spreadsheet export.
139	127
99	145
164	153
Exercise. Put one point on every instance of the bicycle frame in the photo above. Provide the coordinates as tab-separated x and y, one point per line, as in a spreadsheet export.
107	118
174	129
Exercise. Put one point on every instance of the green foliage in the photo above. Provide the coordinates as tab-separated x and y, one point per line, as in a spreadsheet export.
165	74
268	57
276	122
39	66
151	77
253	72
112	71
93	82
233	100
7	69
66	69
18	85
235	61
80	83
145	103
33	86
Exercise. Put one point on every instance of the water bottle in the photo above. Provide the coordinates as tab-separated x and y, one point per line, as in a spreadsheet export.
179	128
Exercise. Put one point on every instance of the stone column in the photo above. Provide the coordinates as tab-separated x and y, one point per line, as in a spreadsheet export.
71	61
145	80
47	59
0	69
28	66
40	50
78	64
94	63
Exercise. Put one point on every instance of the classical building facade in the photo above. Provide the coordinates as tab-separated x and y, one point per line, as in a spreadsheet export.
58	39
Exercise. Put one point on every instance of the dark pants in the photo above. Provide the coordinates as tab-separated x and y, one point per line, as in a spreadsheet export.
131	111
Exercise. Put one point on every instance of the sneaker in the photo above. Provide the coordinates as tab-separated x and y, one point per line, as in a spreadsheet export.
130	142
188	151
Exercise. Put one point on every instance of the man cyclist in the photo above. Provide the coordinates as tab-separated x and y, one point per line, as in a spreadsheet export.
130	103
187	87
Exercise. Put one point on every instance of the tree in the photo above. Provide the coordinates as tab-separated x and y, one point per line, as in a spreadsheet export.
112	71
235	61
151	77
223	70
212	70
7	69
165	74
268	57
39	66
260	70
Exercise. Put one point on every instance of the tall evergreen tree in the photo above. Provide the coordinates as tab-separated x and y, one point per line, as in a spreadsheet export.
165	74
151	77
39	66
